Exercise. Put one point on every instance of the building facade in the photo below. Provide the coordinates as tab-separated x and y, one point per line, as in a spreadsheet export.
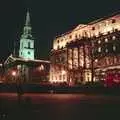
88	53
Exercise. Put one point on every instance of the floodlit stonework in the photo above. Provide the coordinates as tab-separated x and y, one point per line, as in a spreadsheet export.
87	53
26	42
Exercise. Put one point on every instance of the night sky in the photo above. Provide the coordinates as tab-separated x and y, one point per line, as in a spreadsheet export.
49	18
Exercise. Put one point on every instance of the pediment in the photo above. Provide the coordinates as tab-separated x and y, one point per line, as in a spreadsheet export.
9	60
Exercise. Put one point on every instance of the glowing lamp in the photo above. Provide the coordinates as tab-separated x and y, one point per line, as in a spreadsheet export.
13	73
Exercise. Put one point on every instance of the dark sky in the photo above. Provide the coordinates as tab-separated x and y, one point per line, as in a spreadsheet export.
49	18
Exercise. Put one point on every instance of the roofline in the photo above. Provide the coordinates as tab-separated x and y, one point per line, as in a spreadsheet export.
36	60
93	22
104	17
10	56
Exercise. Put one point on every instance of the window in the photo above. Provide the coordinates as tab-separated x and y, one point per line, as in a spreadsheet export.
28	44
99	42
99	49
60	77
63	77
41	67
88	78
76	36
106	50
58	41
113	20
106	40
114	48
113	37
70	36
93	28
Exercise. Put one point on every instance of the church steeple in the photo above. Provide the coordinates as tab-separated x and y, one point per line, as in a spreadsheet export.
27	23
26	42
27	28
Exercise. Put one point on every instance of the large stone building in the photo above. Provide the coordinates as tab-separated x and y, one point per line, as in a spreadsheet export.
90	52
24	67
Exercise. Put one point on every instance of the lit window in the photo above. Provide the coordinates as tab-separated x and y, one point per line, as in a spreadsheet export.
114	47
99	49
99	42
113	37
106	50
106	40
41	67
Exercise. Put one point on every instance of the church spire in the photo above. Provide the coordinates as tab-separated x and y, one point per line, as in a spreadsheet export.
27	27
27	23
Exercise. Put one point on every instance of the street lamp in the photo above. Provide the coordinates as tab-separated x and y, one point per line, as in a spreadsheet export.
14	73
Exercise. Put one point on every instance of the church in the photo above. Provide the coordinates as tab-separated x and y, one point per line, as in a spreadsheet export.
24	67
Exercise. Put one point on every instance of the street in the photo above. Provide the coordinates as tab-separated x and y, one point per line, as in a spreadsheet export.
59	106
